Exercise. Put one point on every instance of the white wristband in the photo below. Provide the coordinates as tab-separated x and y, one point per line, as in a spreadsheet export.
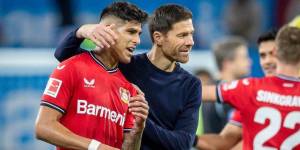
94	145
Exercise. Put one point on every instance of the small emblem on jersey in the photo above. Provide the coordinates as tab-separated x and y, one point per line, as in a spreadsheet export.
245	82
53	87
60	67
230	85
288	85
89	83
124	95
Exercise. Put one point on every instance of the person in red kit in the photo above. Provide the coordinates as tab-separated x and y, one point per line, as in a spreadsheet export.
269	106
231	135
88	103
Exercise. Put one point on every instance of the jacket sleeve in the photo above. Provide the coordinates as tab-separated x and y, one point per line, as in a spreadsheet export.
69	47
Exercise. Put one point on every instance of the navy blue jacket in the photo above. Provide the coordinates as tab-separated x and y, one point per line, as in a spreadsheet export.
174	98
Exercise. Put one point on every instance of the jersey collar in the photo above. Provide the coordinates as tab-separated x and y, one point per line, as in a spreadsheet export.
101	64
284	77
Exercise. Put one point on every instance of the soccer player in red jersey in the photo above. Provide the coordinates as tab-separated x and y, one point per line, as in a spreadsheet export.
88	103
270	106
231	135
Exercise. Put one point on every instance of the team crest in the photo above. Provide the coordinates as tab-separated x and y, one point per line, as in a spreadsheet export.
124	95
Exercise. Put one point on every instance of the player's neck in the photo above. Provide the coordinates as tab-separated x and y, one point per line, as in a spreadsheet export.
227	76
107	58
288	70
158	59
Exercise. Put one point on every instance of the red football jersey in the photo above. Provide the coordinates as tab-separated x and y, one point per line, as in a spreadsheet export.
236	118
270	109
93	99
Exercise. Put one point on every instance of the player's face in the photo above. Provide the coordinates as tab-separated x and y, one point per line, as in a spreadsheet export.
178	42
267	57
241	62
128	38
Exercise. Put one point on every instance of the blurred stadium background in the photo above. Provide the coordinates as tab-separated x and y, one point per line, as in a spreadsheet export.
31	29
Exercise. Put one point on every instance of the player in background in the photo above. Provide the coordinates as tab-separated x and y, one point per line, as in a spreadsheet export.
231	136
233	62
269	106
88	103
173	94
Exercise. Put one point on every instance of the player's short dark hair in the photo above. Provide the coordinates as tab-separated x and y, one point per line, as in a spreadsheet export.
288	45
267	36
225	49
165	16
125	11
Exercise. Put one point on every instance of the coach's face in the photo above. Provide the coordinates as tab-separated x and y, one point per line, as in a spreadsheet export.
267	57
178	42
128	38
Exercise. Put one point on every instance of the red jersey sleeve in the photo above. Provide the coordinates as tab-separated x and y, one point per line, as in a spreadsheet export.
59	87
236	118
236	93
129	120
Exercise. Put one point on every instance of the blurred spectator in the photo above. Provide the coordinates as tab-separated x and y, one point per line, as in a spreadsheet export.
206	79
65	11
66	17
293	9
1	34
233	62
205	76
243	18
286	11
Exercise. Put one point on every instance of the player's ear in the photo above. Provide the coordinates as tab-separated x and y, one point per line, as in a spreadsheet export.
157	38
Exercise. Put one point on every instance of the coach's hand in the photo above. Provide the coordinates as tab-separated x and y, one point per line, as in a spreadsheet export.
101	35
138	106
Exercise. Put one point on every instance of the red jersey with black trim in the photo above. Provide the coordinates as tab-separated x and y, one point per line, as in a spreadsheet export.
270	109
236	118
93	99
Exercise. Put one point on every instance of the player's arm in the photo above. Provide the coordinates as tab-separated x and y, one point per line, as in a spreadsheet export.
49	129
101	35
138	106
227	139
183	135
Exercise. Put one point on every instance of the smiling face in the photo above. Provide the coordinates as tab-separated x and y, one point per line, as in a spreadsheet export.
128	38
177	43
267	57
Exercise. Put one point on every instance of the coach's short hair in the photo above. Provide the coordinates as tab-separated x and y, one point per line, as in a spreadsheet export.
288	45
225	49
166	16
125	11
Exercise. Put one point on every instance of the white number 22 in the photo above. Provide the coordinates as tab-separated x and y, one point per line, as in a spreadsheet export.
290	121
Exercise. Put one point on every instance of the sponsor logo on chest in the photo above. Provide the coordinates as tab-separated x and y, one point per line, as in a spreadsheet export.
86	108
89	83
